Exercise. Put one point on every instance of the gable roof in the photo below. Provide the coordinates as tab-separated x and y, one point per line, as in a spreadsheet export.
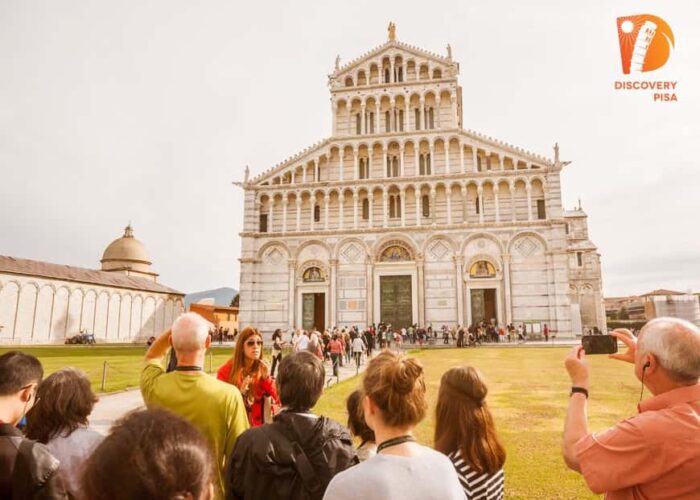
285	163
391	44
26	267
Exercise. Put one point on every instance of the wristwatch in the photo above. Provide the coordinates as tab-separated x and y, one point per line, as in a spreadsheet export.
582	390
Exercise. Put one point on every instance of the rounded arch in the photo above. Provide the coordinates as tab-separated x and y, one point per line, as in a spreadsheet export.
442	237
307	243
395	239
345	241
32	284
475	236
532	234
270	244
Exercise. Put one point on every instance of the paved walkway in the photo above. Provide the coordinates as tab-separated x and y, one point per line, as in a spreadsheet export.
110	407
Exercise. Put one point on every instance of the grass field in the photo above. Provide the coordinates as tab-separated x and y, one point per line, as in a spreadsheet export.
528	396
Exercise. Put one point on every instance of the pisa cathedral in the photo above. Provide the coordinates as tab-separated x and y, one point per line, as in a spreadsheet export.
402	216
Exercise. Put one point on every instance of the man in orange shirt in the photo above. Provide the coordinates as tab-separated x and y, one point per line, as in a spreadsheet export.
655	454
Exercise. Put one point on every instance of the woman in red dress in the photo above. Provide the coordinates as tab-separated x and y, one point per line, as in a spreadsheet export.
249	372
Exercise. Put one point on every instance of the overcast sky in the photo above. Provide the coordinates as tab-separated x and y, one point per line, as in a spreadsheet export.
147	110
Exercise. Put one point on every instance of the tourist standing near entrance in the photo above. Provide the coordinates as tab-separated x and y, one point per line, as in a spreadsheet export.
277	344
394	403
248	371
465	432
215	408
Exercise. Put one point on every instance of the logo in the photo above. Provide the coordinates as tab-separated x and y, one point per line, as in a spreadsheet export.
645	43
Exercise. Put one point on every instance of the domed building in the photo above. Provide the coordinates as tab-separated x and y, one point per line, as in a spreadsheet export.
128	255
44	303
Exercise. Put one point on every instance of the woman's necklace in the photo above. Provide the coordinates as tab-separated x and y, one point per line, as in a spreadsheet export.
395	442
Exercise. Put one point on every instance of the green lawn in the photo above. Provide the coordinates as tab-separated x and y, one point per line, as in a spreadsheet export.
528	396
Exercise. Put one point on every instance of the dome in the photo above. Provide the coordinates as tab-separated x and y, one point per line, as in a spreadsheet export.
126	253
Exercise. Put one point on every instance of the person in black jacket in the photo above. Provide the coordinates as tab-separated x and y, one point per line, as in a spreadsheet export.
298	454
27	468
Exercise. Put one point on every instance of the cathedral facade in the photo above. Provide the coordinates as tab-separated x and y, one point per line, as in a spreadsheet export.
402	216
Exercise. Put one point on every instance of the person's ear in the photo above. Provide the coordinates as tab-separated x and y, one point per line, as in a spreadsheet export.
25	394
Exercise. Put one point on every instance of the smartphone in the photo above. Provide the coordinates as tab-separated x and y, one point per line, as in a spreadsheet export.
599	344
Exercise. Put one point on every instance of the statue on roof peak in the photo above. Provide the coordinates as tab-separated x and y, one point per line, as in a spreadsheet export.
392	31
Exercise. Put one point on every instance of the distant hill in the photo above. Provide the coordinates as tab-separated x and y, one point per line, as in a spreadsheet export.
220	296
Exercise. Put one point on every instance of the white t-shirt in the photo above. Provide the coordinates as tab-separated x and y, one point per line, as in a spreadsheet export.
358	345
427	476
303	343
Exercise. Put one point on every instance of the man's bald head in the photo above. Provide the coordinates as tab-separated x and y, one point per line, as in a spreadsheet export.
189	333
676	345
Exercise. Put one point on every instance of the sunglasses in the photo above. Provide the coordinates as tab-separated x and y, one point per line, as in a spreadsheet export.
251	343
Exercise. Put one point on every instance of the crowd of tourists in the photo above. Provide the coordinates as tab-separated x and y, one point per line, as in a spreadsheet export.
251	433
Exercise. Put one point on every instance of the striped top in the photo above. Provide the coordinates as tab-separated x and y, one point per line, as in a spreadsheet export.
477	486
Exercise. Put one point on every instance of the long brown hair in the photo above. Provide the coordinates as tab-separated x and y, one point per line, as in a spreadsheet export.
65	401
258	370
464	422
395	384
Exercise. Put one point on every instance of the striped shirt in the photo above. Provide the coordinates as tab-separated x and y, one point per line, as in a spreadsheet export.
477	486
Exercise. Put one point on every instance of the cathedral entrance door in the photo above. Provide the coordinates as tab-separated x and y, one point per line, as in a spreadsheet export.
483	301
395	295
313	311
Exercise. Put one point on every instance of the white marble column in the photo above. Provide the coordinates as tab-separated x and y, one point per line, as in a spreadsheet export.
418	205
355	198
459	260
475	167
285	203
421	291
447	156
506	284
437	111
298	211
406	116
461	157
480	193
312	209
448	196
370	286
292	292
376	117
341	210
528	189
350	124
401	159
363	118
356	163
433	196
341	167
512	203
370	202
326	203
385	198
416	159
495	200
385	152
422	113
270	217
465	214
453	102
432	159
403	207
392	115
334	292
500	162
303	174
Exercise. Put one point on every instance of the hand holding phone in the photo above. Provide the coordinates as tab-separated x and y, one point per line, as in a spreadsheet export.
599	344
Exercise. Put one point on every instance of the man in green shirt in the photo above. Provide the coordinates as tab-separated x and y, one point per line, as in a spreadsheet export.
214	407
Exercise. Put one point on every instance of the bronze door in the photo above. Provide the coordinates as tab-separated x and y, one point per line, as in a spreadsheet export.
396	305
313	311
483	302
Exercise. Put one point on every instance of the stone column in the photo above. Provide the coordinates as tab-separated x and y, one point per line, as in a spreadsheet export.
385	197
420	263
461	157
433	195
422	113
355	198
317	169
285	203
363	119
500	162
495	200
326	202
416	167
480	193
292	265
356	163
369	302
447	156
385	152
403	206
401	167
506	284
453	102
528	189
370	202
406	105
459	261
437	110
341	210
475	167
392	76
392	115
418	205
376	117
432	159
512	203
334	292
270	218
303	173
298	211
349	106
465	214
341	158
312	209
448	196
